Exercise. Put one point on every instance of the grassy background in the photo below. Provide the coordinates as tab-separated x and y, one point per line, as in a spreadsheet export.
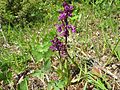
28	27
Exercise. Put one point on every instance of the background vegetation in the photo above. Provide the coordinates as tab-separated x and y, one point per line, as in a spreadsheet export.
27	63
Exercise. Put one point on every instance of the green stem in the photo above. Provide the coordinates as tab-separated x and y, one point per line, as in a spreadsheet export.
72	59
116	45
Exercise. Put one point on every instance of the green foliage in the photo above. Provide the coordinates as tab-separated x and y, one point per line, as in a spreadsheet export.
40	51
23	85
28	28
116	50
23	12
40	73
57	85
5	73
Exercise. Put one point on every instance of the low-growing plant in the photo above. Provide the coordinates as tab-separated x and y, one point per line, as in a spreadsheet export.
60	43
74	57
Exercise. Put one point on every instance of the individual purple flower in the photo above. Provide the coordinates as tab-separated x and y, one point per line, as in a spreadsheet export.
71	8
62	16
65	33
68	8
55	44
53	48
70	14
59	27
73	28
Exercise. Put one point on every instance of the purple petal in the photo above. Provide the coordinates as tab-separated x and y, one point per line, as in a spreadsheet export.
65	33
73	30
53	48
68	26
59	27
70	14
66	8
71	8
62	16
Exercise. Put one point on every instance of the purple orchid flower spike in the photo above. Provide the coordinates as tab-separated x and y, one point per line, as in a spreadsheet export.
63	30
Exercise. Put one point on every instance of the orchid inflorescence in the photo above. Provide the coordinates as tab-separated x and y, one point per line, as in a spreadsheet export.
63	30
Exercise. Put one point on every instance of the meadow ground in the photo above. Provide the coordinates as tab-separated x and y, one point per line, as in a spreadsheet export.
27	63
